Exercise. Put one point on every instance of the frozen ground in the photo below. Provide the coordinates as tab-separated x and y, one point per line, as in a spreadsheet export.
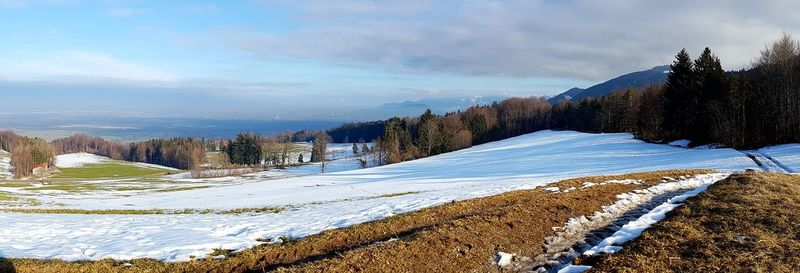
5	165
334	200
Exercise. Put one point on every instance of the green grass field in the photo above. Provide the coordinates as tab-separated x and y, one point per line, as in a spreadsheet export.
110	170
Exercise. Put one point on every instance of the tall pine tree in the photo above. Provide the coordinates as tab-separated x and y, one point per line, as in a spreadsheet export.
711	85
678	98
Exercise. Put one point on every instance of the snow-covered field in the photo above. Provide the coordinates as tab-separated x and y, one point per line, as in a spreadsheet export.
78	160
5	165
786	156
334	200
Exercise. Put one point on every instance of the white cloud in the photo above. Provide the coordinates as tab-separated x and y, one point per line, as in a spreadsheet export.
124	12
80	64
585	39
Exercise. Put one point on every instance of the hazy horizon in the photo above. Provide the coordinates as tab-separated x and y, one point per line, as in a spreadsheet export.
273	59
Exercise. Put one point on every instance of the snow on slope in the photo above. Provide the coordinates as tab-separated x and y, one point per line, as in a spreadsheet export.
5	165
532	159
77	160
338	199
786	156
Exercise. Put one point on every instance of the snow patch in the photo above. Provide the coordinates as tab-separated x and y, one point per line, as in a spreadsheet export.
575	269
681	143
503	259
624	182
78	160
635	228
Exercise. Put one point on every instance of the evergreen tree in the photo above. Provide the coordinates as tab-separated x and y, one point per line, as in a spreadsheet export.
245	150
711	85
678	97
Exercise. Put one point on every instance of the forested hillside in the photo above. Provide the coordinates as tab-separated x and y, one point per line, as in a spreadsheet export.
701	102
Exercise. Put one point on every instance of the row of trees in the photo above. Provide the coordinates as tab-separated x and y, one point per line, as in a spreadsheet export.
26	153
357	131
249	149
81	143
762	106
700	101
181	153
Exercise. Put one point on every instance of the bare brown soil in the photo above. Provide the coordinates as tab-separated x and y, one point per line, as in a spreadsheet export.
746	223
456	237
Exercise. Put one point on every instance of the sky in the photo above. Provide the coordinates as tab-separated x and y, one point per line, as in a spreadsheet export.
263	59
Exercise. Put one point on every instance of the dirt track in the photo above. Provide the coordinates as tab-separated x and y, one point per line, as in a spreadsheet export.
746	223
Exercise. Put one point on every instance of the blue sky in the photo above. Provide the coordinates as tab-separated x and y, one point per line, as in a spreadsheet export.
311	59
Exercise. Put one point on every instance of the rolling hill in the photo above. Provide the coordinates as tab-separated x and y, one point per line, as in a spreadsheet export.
639	79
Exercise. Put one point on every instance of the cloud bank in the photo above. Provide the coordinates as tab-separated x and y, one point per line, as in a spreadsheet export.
584	39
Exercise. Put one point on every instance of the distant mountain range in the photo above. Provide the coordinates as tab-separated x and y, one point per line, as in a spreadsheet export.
639	79
655	75
417	107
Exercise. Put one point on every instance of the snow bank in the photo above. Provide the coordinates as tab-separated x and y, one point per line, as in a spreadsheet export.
336	200
681	143
78	160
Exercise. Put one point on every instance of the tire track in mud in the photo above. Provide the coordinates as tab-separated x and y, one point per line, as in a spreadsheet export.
581	234
562	250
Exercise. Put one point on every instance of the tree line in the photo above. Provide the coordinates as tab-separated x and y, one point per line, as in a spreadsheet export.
26	153
180	153
701	102
249	149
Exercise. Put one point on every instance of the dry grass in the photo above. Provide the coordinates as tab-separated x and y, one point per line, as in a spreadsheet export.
456	237
746	223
